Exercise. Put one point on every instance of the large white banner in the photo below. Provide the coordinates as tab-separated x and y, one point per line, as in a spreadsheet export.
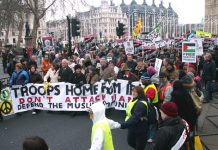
71	97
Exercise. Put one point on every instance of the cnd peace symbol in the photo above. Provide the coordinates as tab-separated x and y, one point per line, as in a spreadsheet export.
6	106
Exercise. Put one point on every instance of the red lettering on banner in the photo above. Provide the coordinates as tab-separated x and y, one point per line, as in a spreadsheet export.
113	97
75	99
122	98
84	99
67	100
97	98
103	97
21	100
91	100
49	98
37	99
129	99
29	100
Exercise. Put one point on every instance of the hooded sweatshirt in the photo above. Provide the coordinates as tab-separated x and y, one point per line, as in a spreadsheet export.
98	110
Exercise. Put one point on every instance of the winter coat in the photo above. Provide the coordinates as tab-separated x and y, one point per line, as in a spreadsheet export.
107	73
131	65
20	78
134	124
78	78
65	75
186	107
53	75
209	71
35	77
45	66
168	134
92	79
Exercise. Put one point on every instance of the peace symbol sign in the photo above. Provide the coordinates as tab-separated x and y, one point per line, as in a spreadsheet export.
4	95
6	107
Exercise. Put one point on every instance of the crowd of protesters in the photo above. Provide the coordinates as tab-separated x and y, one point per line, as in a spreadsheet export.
175	93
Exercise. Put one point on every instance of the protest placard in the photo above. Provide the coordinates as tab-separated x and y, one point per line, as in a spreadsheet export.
157	65
189	52
129	47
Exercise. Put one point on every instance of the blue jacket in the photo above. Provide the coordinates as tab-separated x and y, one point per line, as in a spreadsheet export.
20	78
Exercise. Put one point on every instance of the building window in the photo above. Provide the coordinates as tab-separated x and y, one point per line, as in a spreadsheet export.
14	40
39	32
2	34
13	33
105	30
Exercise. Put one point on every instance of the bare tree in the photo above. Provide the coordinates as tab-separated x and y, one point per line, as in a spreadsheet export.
38	9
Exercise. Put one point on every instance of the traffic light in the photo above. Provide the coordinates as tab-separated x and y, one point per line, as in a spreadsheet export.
120	29
75	27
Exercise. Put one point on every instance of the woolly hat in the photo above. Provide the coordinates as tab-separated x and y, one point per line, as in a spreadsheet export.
151	71
170	109
145	76
187	81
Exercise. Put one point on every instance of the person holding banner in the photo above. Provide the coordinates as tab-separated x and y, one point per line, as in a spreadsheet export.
101	137
137	119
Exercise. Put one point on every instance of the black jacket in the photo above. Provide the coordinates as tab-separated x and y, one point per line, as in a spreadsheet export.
168	134
65	74
78	78
209	71
35	78
134	123
186	107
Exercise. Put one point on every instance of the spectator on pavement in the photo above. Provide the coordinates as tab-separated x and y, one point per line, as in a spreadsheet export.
209	76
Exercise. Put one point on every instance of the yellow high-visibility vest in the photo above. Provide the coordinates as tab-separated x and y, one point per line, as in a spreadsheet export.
155	100
130	106
108	140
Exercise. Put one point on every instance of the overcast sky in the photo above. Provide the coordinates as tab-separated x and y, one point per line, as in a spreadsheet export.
189	11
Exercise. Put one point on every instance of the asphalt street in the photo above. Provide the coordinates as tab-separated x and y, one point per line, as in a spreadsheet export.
59	129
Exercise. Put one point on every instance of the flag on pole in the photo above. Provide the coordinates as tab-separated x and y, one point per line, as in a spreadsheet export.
154	35
137	28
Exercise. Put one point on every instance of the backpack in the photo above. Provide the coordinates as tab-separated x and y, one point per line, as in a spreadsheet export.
152	113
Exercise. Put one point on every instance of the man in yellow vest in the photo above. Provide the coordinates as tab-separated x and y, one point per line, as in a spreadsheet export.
150	89
151	93
101	138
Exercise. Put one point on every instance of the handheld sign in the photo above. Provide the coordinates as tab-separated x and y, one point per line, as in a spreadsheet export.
157	65
189	52
129	47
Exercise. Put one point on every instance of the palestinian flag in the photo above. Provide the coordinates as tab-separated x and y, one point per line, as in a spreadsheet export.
189	47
